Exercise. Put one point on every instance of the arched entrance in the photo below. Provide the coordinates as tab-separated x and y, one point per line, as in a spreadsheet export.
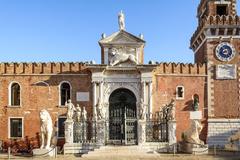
122	117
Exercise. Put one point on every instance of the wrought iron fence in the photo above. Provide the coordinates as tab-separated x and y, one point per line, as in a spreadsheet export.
156	131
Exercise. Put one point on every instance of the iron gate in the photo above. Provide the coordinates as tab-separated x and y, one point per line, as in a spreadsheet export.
123	118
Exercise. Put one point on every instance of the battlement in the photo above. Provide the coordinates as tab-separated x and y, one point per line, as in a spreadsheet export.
216	26
181	68
42	68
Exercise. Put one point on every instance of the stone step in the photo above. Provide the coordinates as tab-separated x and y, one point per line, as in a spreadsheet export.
92	149
124	150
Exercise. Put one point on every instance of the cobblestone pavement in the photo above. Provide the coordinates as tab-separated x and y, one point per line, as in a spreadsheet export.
133	157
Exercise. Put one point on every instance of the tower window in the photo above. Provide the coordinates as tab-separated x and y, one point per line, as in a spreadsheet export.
221	10
180	92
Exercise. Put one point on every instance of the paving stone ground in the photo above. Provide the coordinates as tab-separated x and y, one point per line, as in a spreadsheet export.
134	157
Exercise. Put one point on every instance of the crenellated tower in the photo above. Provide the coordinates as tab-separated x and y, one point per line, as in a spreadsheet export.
217	19
217	43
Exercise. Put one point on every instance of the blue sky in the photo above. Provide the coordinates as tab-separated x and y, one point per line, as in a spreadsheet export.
69	30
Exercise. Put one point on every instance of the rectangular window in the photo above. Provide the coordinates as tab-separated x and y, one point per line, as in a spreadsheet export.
221	10
180	92
61	129
16	127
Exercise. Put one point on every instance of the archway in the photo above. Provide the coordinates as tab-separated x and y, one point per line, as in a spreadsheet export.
122	117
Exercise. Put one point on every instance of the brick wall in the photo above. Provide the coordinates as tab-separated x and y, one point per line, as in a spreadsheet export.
36	95
165	89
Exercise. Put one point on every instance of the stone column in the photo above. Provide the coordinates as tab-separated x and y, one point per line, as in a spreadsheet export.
94	99
150	98
101	91
143	90
68	131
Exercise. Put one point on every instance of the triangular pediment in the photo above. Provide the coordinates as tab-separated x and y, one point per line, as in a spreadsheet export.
121	37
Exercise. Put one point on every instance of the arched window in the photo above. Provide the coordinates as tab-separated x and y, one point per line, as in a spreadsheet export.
14	96
65	92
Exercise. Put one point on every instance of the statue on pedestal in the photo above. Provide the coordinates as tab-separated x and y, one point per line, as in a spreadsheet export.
78	113
195	103
100	110
121	21
46	129
84	114
70	110
172	110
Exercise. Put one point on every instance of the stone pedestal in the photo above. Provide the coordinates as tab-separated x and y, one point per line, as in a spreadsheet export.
100	131
141	132
44	152
84	131
196	115
193	149
172	126
68	131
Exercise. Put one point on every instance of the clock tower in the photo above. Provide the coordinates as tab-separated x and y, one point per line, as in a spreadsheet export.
217	43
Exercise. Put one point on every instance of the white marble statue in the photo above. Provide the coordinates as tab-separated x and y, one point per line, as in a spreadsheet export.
100	110
117	58
172	114
142	110
84	114
78	113
121	21
70	109
192	134
46	129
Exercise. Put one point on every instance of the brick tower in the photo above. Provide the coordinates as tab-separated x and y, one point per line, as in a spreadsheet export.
217	43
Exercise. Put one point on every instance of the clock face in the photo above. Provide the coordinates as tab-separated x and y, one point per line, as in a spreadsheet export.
225	52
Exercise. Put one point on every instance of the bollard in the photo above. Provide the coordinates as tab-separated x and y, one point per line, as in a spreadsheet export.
214	150
174	149
9	153
56	152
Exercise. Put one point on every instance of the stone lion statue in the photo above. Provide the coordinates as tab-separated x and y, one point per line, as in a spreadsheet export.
117	58
46	129
232	142
192	134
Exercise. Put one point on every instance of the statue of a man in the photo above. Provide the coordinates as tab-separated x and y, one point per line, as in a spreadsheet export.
84	114
121	21
100	109
70	109
172	107
142	110
78	113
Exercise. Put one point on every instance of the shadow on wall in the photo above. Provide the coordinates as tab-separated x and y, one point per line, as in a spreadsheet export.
188	106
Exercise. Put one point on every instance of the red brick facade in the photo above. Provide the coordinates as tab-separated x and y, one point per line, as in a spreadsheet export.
40	82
